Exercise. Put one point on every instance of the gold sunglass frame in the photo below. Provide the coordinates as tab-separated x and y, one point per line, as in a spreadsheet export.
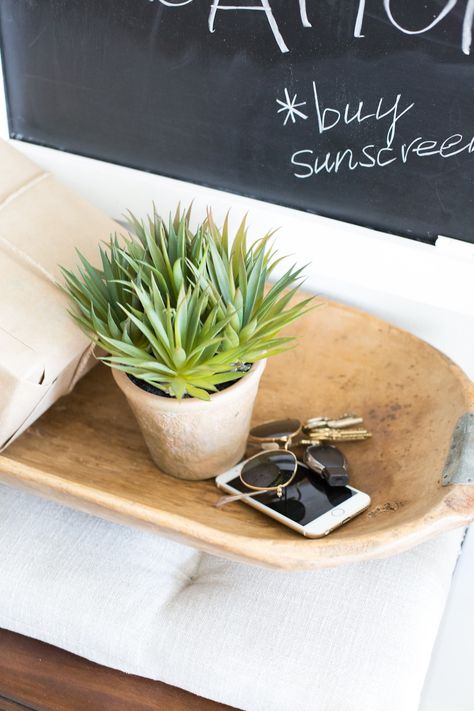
279	488
283	442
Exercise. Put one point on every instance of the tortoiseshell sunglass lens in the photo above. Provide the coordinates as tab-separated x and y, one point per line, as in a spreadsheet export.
277	430
269	470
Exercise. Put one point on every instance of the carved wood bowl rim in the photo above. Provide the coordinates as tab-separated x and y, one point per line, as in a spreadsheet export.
59	457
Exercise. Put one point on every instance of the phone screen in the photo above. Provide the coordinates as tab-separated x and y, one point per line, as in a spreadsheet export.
306	498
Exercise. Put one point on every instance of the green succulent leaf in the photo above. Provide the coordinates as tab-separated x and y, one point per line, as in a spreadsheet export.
185	310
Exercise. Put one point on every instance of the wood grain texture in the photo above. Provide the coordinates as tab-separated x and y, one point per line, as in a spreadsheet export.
35	675
9	705
87	451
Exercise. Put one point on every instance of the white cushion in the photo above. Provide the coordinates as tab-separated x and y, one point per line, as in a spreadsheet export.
353	638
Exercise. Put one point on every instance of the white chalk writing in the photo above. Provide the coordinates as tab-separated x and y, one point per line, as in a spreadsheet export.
307	162
265	7
291	107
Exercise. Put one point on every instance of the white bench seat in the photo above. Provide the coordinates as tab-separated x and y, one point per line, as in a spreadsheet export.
353	638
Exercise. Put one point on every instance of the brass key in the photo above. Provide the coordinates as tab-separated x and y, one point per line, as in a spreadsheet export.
340	429
328	434
333	423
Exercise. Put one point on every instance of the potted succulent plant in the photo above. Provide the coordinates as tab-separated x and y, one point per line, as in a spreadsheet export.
186	322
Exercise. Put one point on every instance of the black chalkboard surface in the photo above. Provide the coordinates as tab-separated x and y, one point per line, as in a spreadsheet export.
362	110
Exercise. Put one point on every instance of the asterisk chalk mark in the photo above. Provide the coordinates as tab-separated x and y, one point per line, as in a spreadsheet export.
291	107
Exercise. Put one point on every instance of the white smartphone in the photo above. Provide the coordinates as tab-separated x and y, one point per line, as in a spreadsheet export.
309	505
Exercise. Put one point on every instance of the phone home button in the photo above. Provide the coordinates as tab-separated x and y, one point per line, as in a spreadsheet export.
338	512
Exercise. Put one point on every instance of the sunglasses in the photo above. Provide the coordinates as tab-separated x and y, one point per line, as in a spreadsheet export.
275	468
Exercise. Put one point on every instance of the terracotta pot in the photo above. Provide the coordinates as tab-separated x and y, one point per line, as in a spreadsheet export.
190	438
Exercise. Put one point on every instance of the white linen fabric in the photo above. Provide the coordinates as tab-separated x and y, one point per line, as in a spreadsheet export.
353	638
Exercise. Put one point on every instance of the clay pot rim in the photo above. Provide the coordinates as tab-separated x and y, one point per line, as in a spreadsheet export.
165	403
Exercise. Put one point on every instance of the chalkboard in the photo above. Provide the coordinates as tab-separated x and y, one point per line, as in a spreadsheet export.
361	110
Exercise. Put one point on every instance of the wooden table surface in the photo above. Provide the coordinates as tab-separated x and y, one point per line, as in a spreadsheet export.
35	676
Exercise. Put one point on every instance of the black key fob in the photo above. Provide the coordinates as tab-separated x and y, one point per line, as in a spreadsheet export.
329	462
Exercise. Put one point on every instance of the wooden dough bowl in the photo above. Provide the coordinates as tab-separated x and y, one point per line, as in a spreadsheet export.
88	453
